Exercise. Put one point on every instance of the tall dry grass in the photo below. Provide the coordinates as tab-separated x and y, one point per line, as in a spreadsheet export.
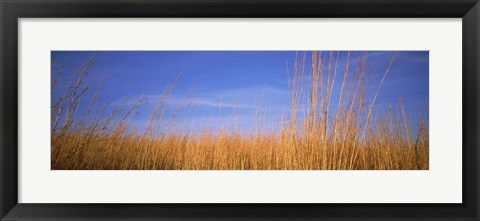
349	134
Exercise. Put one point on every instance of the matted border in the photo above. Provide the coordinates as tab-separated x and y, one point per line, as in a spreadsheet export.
12	10
442	183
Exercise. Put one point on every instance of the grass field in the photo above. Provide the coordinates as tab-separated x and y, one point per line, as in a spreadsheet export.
309	135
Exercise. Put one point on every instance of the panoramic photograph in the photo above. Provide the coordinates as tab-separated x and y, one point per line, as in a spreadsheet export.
239	110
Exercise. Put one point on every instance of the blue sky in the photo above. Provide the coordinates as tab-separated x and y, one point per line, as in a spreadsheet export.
245	79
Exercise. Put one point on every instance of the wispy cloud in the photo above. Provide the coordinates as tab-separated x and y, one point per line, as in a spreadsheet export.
208	102
241	98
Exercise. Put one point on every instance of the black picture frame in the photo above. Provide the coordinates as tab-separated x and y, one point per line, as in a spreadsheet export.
11	10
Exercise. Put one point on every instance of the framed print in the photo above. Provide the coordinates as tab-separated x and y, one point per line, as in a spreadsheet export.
239	110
